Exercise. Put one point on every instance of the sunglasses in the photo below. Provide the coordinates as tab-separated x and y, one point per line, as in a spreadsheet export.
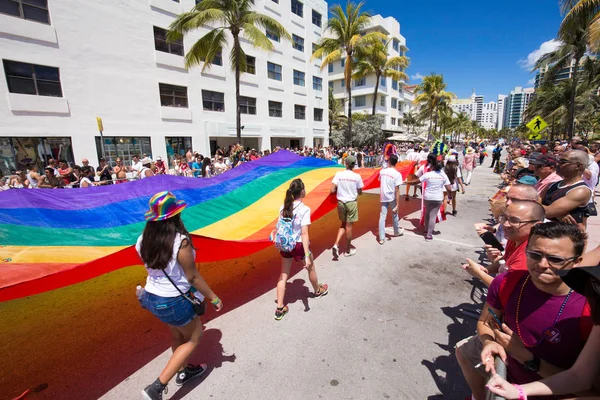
554	261
515	221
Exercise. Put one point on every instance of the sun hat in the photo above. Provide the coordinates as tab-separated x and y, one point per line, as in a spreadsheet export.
146	161
159	158
470	150
527	180
577	278
163	205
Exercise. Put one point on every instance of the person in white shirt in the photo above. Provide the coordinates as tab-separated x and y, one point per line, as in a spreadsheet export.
390	180
146	171
434	183
136	166
348	186
415	157
293	208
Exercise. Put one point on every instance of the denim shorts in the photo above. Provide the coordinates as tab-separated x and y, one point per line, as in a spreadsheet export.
176	311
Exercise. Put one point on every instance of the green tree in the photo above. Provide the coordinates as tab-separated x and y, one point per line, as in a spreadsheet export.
337	119
233	19
411	120
346	34
582	14
462	124
374	60
430	94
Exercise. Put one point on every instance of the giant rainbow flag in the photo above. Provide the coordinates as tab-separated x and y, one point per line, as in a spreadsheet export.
55	238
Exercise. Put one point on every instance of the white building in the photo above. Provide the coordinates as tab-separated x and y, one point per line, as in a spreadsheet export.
390	95
501	108
484	113
66	63
516	104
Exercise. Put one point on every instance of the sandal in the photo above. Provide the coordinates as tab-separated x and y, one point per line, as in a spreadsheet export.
406	198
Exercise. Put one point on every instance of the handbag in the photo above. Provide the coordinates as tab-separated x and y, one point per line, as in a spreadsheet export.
199	306
592	210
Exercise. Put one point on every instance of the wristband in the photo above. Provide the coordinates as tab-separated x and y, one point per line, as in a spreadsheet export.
215	301
307	255
522	395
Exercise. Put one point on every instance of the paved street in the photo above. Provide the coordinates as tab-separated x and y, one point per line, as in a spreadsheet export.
386	329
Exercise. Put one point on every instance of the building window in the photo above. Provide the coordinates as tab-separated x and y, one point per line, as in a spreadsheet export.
218	60
343	83
213	101
360	101
172	95
18	153
247	105
161	43
298	8
383	81
276	1
317	83
272	35
343	62
396	45
382	101
393	120
32	79
297	43
250	65
360	82
299	111
274	71
394	84
314	48
123	147
330	84
275	109
394	103
330	68
316	18
298	78
33	10
318	114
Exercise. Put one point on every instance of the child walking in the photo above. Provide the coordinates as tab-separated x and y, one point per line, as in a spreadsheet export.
291	238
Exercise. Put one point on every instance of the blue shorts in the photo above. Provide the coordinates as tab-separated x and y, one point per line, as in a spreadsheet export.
176	311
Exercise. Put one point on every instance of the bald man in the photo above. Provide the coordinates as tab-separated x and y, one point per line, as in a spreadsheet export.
567	200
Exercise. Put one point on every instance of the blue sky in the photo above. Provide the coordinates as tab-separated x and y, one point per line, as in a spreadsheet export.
474	44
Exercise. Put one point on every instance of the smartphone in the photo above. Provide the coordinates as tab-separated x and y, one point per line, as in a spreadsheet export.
490	238
496	319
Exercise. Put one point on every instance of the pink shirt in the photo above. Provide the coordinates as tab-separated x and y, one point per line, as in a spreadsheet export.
544	183
469	162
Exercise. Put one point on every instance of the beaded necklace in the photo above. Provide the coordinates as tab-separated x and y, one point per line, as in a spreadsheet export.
562	307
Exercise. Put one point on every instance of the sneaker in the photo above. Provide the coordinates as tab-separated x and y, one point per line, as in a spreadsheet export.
381	241
323	290
399	233
154	391
350	253
279	313
428	238
190	372
454	212
335	250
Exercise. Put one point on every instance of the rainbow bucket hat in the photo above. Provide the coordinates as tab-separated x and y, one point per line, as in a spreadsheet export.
163	205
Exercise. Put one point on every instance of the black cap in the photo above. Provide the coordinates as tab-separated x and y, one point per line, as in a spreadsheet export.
577	278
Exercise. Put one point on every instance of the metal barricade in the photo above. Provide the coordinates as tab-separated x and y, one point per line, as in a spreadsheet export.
500	370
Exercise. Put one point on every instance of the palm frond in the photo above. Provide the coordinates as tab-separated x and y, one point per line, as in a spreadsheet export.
269	23
256	37
331	58
205	49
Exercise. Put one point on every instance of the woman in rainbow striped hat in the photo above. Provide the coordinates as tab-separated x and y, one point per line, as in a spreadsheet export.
174	288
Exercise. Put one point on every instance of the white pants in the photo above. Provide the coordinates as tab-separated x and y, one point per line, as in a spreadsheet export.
467	176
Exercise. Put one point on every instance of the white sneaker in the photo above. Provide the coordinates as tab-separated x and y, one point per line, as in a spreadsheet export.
400	232
390	231
335	250
350	253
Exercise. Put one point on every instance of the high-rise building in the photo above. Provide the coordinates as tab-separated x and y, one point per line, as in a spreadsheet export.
515	105
563	74
390	100
65	63
484	113
501	109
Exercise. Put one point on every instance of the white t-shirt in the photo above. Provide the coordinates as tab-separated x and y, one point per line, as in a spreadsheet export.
301	218
390	178
136	166
423	155
413	156
348	182
434	185
157	283
591	183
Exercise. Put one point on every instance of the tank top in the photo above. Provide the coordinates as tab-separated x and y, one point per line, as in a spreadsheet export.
555	192
143	172
33	183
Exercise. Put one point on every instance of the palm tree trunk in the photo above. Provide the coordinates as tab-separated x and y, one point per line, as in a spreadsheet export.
375	94
430	122
437	116
571	118
238	115
348	77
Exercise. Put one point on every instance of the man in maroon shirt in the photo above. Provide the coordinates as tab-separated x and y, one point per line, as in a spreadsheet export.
542	331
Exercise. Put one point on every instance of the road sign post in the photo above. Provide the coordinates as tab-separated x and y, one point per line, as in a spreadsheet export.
536	126
101	129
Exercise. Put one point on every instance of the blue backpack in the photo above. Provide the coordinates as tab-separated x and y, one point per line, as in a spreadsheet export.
284	235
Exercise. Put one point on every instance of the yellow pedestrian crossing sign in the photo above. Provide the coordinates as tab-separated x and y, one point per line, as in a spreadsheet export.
536	125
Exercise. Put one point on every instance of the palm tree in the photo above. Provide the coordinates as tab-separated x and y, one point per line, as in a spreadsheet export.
409	120
584	14
235	16
430	94
337	119
570	52
346	29
462	123
373	60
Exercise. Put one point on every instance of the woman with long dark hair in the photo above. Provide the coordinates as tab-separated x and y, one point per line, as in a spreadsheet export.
172	287
291	237
454	176
206	165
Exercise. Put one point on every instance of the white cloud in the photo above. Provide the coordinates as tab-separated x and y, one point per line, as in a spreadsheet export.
546	47
417	77
531	82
